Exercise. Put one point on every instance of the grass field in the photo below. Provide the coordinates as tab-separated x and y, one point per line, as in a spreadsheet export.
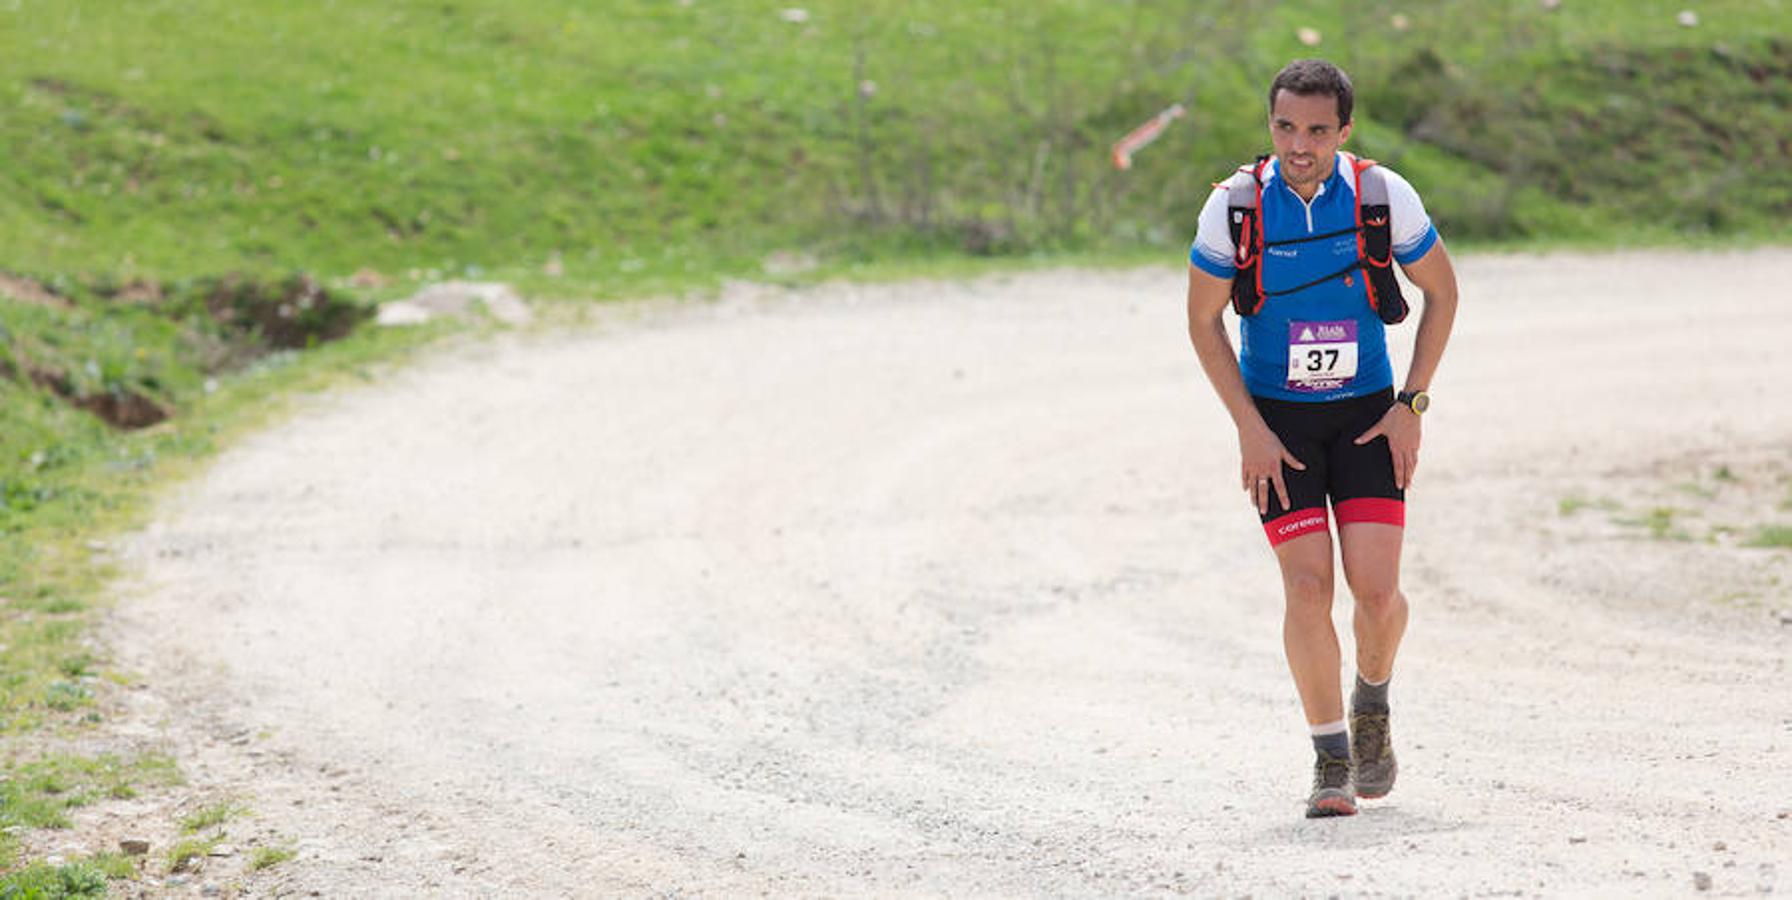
632	139
626	148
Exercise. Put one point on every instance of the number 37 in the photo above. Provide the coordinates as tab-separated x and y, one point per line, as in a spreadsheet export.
1322	360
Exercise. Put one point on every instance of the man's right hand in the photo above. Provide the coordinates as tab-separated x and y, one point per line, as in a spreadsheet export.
1263	456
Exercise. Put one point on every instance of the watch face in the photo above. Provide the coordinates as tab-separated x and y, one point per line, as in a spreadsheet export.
1421	401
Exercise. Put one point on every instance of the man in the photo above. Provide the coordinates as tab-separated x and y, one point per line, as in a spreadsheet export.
1311	393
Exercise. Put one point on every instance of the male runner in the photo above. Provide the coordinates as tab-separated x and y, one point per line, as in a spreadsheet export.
1312	395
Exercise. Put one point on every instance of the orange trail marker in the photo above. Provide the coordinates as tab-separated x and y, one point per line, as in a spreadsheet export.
1144	134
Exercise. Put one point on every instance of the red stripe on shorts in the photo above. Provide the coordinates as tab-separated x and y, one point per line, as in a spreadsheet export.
1295	524
1371	509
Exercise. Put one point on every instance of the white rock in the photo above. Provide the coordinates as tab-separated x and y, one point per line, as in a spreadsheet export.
1308	36
1687	18
398	312
457	298
795	15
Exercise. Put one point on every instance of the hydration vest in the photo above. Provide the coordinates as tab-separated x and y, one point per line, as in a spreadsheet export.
1374	240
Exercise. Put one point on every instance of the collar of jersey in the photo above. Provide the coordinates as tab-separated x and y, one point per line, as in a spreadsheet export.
1272	174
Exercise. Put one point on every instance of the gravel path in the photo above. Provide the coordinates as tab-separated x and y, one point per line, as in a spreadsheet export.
947	588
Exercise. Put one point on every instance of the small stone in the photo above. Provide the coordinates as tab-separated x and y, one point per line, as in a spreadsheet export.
1701	881
222	850
1577	839
1308	36
1400	22
1551	5
1687	19
795	16
133	846
1720	846
210	890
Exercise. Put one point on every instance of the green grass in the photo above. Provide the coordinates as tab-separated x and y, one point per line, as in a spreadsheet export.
41	881
209	816
185	850
1658	521
645	143
268	857
39	793
1777	537
1573	503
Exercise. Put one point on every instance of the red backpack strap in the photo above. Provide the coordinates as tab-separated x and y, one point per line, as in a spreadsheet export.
1375	242
1244	217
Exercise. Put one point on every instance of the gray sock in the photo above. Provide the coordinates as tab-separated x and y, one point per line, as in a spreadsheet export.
1370	698
1336	745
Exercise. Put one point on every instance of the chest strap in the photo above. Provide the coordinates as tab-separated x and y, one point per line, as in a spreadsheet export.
1374	240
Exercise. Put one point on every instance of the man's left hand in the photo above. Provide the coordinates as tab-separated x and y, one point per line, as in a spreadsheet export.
1400	426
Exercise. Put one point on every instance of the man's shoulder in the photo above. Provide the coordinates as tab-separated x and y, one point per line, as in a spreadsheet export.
1396	182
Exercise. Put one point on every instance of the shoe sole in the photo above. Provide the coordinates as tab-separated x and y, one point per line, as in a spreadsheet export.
1328	807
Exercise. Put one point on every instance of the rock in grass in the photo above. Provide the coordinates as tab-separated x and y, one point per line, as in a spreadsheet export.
457	299
133	846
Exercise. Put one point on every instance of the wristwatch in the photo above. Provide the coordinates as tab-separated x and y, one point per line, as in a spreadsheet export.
1417	401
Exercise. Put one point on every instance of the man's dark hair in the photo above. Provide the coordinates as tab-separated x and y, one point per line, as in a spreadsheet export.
1308	77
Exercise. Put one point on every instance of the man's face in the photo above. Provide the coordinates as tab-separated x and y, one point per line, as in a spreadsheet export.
1306	133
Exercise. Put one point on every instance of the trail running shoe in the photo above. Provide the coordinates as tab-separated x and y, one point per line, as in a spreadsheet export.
1372	754
1331	789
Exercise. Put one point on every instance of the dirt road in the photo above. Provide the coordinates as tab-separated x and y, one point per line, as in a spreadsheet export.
948	588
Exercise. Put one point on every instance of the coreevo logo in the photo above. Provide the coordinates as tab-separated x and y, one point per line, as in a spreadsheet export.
1301	525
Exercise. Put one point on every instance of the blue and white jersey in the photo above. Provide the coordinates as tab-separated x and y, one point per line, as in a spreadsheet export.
1322	342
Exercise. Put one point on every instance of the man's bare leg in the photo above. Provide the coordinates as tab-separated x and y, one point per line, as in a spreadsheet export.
1313	658
1307	633
1371	553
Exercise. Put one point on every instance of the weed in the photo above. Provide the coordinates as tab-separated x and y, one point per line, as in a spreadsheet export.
184	851
41	881
1659	522
1574	503
38	794
1695	489
1777	537
1723	473
113	865
268	857
206	817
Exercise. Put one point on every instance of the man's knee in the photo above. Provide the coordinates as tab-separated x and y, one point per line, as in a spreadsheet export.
1309	592
1378	600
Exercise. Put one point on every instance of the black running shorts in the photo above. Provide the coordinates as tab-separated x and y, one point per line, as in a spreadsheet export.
1358	479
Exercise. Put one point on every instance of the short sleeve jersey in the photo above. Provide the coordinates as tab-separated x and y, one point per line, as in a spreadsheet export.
1327	319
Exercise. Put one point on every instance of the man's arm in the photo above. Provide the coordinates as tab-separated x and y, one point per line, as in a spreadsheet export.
1261	451
1436	277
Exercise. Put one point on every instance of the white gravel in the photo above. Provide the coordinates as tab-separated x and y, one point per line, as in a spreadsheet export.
947	588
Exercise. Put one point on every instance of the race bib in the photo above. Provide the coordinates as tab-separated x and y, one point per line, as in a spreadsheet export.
1321	355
